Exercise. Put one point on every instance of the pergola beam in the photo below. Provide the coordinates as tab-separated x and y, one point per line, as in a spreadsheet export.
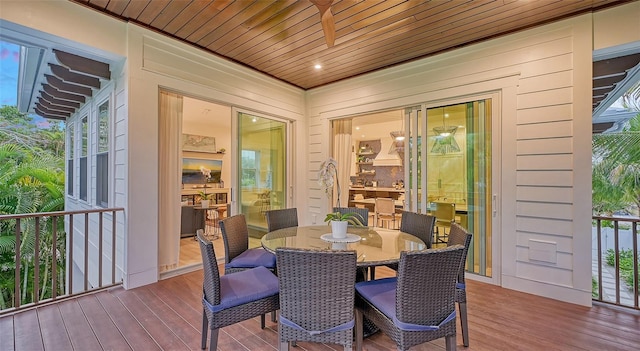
83	65
72	77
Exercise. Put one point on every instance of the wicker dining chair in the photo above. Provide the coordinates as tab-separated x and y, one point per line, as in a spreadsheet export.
419	304
233	298
417	224
362	213
238	257
316	296
283	218
460	236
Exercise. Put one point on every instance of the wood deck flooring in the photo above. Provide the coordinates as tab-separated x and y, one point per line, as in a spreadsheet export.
167	316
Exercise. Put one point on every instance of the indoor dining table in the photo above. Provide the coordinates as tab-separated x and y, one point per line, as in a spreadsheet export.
374	246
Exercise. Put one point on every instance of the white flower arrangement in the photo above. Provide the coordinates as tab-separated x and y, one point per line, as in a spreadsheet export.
328	176
206	172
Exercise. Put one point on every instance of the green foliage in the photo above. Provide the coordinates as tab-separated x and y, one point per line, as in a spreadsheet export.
31	180
626	264
594	287
616	167
351	217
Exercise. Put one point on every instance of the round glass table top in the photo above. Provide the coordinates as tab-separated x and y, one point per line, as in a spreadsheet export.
377	246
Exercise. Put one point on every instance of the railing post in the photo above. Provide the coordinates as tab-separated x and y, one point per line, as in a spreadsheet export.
54	258
616	245
636	285
16	289
86	251
599	231
36	262
100	249
70	256
113	248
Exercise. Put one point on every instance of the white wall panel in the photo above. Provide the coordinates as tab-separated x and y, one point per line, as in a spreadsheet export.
545	178
545	130
544	146
545	194
543	114
544	162
545	98
544	210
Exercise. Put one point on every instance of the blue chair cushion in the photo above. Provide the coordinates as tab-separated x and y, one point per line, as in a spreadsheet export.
381	293
253	258
246	286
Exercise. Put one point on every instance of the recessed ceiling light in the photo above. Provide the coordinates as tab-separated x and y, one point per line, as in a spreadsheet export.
318	66
357	128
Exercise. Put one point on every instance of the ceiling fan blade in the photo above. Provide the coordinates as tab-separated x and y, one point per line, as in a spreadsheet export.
328	24
329	28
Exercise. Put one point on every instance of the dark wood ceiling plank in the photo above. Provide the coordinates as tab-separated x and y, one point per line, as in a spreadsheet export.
379	38
135	8
99	3
271	22
72	77
615	66
216	17
56	101
83	65
45	115
53	113
370	36
390	51
68	87
153	9
46	110
232	26
62	95
202	19
53	107
117	6
601	127
302	29
187	15
608	81
171	10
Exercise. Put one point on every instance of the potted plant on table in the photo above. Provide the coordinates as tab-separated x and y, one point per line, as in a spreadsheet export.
340	221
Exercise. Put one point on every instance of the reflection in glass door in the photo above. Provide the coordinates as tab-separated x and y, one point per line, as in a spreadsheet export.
452	149
261	169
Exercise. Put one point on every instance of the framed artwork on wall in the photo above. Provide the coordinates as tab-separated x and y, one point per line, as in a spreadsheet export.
191	173
198	143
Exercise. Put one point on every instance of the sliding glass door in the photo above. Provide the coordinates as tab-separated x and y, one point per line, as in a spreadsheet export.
449	161
262	168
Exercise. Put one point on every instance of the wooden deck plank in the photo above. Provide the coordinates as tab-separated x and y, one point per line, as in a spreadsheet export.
54	333
27	331
152	324
6	333
189	335
77	325
169	314
106	332
135	335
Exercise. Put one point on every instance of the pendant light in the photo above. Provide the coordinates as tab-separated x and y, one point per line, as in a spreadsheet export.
445	141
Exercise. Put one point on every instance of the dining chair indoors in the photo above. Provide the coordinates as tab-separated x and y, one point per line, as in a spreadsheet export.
445	213
233	298
419	225
418	305
316	296
283	218
238	257
362	213
460	236
385	211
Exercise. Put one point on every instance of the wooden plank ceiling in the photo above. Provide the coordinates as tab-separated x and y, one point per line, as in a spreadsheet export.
285	39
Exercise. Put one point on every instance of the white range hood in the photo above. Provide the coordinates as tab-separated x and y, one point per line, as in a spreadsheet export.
388	156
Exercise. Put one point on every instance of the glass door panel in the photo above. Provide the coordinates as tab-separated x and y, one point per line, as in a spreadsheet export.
261	169
449	161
